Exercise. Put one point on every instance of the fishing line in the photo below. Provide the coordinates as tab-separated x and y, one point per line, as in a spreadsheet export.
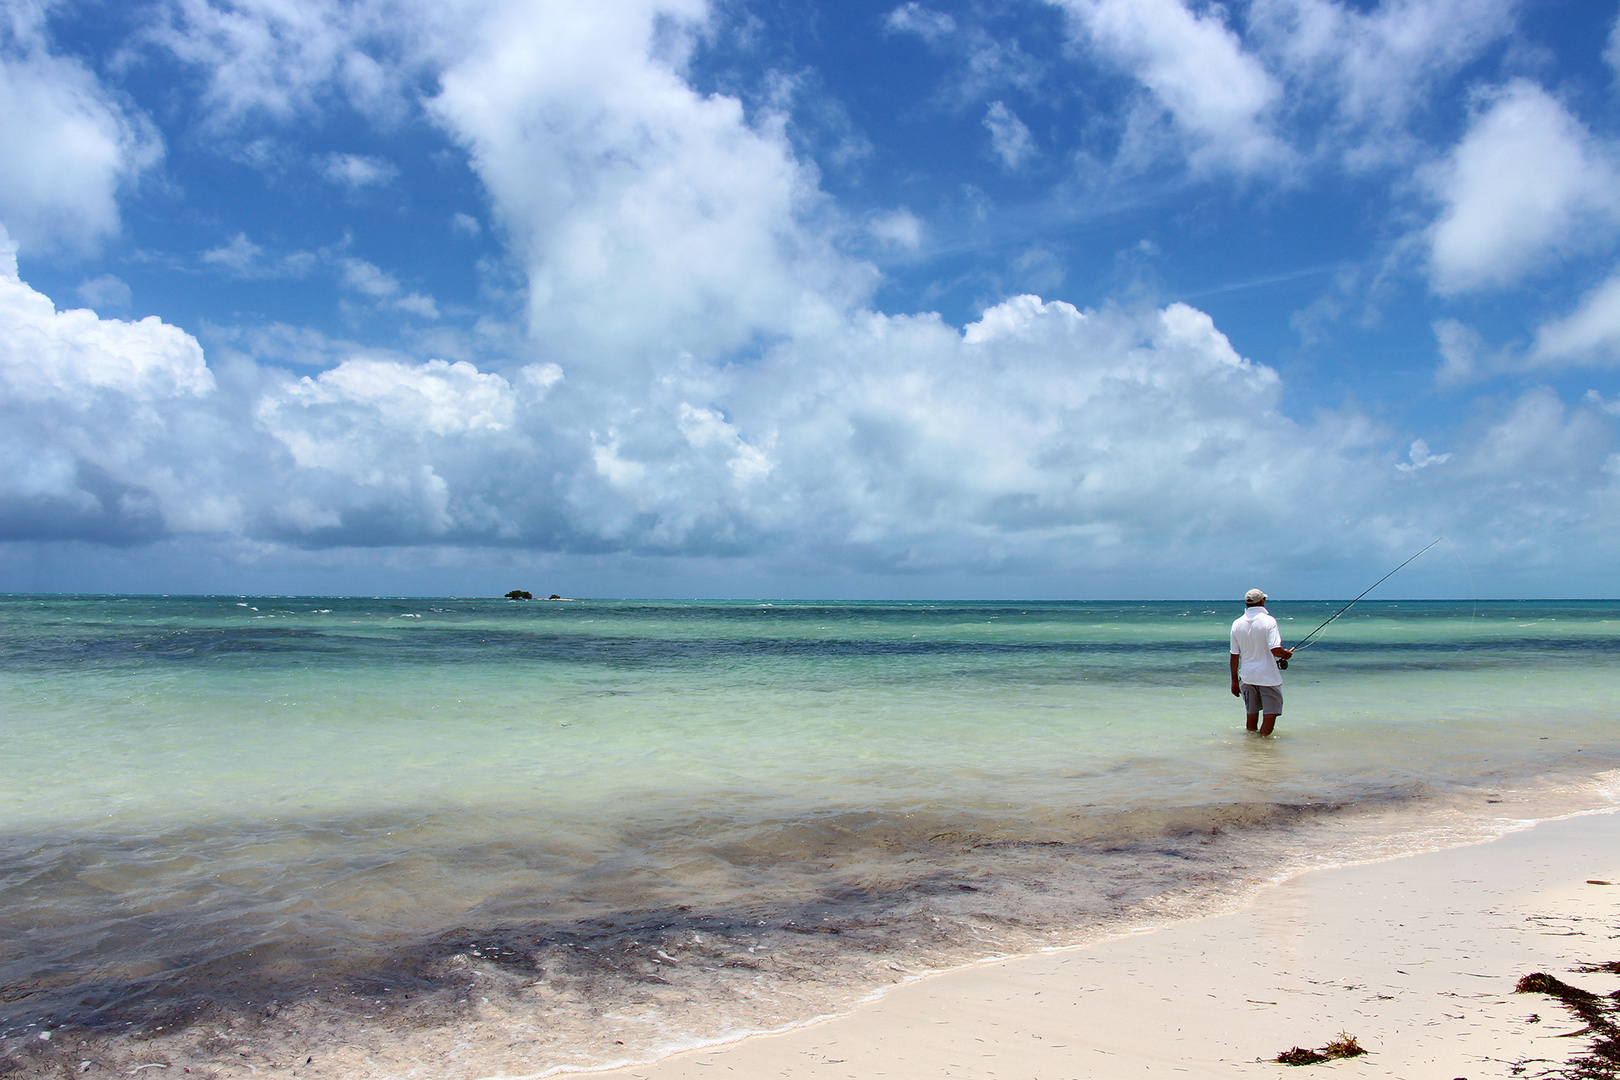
1473	590
1306	639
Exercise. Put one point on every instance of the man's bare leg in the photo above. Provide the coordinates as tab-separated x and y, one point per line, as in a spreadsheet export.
1252	722
1270	722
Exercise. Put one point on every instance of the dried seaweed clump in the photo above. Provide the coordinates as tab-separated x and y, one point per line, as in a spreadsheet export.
1345	1046
1602	1059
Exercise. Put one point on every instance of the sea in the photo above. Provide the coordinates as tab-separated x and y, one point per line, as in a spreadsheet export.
461	838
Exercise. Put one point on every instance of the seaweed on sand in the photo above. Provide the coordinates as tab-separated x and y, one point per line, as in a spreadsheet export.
1345	1046
1612	967
1602	1059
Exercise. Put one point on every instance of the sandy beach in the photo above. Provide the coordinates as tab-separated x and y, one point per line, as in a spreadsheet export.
1417	958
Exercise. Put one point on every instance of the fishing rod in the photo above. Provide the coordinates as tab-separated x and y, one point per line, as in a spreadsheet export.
1307	638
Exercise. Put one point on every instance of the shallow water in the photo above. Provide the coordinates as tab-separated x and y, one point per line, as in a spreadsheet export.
564	833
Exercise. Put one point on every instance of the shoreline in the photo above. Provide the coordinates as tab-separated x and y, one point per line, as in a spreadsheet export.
1161	979
1417	957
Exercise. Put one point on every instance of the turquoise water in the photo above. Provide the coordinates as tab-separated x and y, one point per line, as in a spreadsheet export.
211	804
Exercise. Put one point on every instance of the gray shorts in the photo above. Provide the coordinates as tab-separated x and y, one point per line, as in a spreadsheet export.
1261	699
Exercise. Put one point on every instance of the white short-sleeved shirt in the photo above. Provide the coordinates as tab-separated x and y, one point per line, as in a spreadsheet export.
1253	637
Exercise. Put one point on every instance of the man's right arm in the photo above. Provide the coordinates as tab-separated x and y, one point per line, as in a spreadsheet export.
1274	639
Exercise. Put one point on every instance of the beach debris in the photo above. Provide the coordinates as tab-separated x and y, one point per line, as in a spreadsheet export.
1344	1046
1602	1059
1595	881
1574	998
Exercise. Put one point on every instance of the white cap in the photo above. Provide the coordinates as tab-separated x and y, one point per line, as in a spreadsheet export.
1254	596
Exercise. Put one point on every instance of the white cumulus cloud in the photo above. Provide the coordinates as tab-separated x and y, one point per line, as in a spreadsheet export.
1528	181
1590	334
652	218
242	258
900	228
388	450
1372	66
1420	457
54	354
356	171
66	144
1039	436
368	278
985	61
105	291
1009	136
1462	352
97	416
279	59
1219	96
913	18
373	282
899	441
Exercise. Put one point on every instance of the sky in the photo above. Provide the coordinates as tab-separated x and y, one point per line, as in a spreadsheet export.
1067	299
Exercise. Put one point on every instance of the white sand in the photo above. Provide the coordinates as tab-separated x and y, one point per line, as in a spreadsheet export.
1417	958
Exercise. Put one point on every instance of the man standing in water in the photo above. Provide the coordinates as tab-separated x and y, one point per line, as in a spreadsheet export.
1256	648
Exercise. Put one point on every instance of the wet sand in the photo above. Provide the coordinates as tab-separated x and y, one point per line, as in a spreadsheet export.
1417	958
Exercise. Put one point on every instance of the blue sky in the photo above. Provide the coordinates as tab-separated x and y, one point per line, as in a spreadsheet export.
1080	298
